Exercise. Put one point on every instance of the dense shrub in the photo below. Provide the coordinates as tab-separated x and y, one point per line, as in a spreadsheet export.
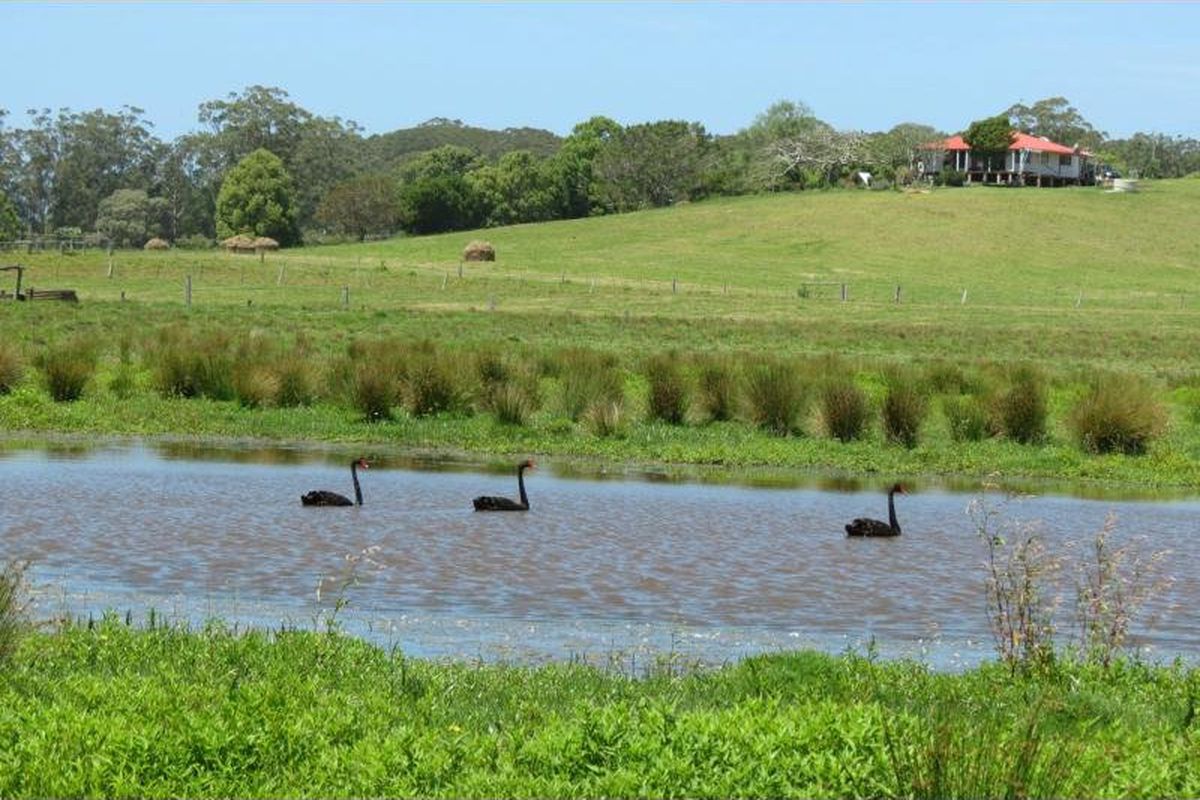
966	418
716	391
11	367
1118	414
775	398
1020	410
67	368
845	410
668	396
904	410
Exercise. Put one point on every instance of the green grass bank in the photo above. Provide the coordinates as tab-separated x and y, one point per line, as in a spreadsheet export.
119	711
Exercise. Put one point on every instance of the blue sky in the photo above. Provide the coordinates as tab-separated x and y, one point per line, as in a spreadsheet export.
1126	67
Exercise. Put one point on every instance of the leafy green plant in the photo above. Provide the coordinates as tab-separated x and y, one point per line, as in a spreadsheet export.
1118	414
845	410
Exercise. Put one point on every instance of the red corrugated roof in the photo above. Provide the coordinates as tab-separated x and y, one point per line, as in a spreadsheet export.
1022	141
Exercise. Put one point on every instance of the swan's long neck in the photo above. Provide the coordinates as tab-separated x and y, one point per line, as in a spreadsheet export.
892	511
357	488
521	485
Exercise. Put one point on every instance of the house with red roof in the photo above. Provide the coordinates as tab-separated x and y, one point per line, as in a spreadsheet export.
1030	160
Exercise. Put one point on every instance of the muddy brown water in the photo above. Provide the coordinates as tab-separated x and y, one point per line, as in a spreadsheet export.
619	570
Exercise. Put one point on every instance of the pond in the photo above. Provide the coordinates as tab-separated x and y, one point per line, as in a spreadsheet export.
621	569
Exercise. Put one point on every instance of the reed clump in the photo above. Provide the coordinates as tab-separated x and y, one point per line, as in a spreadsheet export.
587	379
775	398
432	384
606	419
1117	414
12	366
1021	409
845	410
905	407
668	394
717	388
967	418
188	364
67	368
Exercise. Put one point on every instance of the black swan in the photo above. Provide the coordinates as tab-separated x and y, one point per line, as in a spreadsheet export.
874	527
324	497
503	503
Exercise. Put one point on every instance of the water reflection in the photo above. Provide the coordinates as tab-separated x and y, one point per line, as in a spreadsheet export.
599	566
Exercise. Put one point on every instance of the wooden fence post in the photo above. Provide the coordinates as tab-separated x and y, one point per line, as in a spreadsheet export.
897	298
187	291
843	292
345	297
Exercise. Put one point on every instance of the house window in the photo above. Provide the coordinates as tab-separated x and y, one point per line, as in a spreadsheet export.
1064	161
1045	159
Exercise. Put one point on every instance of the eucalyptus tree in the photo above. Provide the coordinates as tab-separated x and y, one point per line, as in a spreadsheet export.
1057	120
257	198
653	164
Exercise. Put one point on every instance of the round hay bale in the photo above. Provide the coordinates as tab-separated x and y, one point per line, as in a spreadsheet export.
239	243
157	244
265	243
479	251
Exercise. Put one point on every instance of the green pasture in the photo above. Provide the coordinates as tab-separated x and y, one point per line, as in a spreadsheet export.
1072	281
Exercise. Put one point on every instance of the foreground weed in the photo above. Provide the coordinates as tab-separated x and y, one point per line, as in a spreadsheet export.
1021	572
1113	583
12	608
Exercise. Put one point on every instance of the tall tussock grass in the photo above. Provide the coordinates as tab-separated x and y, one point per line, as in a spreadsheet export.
373	392
1117	414
905	407
433	383
67	368
586	379
1021	408
775	398
845	410
12	366
190	364
967	418
669	393
508	388
717	388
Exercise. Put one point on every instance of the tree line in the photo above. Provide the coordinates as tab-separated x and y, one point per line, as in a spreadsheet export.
263	165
